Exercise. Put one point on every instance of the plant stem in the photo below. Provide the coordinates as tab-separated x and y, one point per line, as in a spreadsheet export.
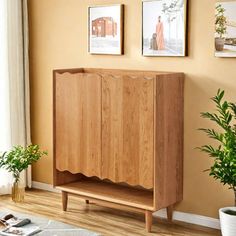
16	177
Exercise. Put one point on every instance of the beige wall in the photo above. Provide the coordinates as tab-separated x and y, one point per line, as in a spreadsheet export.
59	40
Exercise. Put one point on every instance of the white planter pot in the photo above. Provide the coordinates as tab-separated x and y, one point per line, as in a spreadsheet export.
227	222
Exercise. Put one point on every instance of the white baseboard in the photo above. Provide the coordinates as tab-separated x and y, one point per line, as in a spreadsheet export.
191	218
179	216
43	186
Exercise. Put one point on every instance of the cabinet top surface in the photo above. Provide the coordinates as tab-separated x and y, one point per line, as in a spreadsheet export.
115	71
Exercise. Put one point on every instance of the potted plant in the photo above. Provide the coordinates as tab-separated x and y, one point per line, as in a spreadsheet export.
15	161
220	27
224	155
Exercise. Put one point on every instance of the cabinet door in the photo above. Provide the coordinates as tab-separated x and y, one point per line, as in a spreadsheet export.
128	130
78	123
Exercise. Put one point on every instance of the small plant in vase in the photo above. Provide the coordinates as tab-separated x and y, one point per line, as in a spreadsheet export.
15	161
224	155
220	27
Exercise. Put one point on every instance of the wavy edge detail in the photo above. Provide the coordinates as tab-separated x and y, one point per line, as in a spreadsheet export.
103	179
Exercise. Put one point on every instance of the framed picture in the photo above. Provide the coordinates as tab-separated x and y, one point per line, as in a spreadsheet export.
164	28
225	29
106	29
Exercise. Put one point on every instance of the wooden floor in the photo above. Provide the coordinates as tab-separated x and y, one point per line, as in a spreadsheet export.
104	220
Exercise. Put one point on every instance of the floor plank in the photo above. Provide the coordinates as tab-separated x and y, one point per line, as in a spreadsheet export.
104	220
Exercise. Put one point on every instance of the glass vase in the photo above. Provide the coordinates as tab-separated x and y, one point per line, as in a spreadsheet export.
18	191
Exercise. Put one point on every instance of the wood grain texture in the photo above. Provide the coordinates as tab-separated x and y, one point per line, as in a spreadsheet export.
148	220
124	126
168	180
127	129
64	200
120	72
98	218
78	123
142	199
169	212
64	177
112	126
60	177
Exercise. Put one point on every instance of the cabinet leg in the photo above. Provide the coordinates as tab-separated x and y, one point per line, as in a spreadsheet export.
87	201
169	211
64	200
148	219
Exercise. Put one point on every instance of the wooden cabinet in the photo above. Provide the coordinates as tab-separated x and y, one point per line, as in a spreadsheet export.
118	137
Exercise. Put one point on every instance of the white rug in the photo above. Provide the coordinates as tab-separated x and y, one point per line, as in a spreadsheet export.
51	227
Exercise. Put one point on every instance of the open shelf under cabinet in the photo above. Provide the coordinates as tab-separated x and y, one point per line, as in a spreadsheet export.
138	198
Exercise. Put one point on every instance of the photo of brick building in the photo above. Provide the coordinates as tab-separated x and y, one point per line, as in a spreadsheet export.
104	26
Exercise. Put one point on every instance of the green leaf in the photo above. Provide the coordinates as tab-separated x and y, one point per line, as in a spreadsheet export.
224	155
19	158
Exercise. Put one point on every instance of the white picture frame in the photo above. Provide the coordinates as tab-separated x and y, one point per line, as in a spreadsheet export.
164	28
225	41
106	29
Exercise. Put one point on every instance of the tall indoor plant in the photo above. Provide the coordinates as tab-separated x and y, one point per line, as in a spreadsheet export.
15	161
220	27
223	154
